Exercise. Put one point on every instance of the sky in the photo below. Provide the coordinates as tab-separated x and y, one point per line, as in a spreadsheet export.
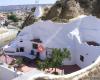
19	2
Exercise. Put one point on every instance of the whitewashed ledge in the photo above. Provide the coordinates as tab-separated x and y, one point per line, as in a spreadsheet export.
91	72
7	73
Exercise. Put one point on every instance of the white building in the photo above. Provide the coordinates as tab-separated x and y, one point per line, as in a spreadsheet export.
79	36
2	19
38	12
40	9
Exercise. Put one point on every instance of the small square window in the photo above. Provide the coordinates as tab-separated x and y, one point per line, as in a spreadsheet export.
82	58
21	41
32	52
21	49
17	50
37	40
35	46
38	55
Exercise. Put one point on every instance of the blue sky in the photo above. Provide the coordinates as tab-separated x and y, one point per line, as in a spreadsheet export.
18	2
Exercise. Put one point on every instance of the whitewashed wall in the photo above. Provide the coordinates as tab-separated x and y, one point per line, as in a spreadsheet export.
90	54
89	30
71	48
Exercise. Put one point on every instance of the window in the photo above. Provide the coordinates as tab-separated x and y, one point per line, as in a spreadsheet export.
32	52
35	46
21	40
37	40
82	58
21	49
17	50
92	43
38	55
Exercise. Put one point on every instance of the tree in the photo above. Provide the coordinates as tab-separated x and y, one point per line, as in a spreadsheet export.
13	18
57	56
19	61
33	9
30	19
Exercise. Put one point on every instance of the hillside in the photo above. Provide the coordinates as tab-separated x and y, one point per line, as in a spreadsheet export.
63	10
67	9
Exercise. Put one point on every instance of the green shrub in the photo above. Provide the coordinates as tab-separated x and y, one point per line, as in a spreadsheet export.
19	61
33	9
57	56
12	17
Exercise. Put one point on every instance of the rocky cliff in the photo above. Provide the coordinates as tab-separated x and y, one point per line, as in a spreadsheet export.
67	9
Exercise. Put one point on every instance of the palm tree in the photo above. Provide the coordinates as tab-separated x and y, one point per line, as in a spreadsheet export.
58	55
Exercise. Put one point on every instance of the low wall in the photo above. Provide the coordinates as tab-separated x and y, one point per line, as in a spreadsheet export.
6	73
91	72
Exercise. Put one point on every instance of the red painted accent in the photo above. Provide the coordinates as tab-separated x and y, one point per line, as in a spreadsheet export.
40	48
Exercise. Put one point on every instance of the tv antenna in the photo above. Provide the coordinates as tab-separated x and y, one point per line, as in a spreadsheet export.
36	1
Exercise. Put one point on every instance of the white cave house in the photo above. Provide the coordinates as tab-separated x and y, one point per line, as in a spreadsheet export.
80	37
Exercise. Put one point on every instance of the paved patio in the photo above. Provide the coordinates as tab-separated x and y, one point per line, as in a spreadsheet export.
70	68
30	65
8	60
67	68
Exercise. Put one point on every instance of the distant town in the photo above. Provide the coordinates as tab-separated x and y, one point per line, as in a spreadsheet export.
27	7
15	15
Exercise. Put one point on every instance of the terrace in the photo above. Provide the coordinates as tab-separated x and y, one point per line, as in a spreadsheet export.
28	65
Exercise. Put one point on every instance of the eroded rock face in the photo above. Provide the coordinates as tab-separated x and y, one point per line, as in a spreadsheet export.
54	11
67	9
96	8
86	5
70	9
